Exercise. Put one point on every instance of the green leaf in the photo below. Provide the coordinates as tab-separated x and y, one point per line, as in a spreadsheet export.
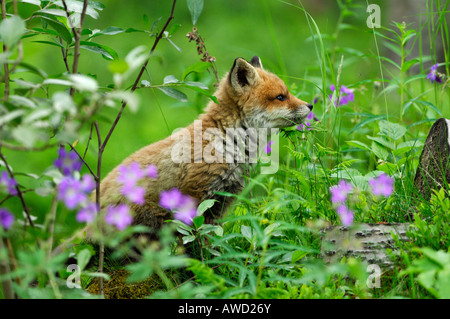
246	231
77	7
11	30
63	32
358	144
195	8
83	82
371	118
26	135
297	255
387	167
188	239
379	151
174	93
408	64
83	258
107	31
381	140
205	205
197	67
219	231
107	52
198	221
392	130
10	116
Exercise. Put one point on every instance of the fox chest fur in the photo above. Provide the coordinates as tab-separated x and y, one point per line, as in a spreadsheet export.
249	98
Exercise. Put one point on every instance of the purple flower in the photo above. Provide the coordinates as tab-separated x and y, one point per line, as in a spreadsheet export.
310	117
134	194
8	183
382	185
152	171
433	76
171	199
87	183
87	214
345	215
340	191
71	192
6	218
130	175
268	147
186	216
118	216
346	95
183	206
67	162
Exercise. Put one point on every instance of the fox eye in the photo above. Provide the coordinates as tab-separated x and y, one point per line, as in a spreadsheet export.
281	97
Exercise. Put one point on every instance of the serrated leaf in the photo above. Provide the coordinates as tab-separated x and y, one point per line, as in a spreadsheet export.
391	130
379	151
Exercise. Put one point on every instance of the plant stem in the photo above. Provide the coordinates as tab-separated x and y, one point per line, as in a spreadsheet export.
19	192
5	49
8	292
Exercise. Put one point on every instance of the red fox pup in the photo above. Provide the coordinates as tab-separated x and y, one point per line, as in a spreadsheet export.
249	98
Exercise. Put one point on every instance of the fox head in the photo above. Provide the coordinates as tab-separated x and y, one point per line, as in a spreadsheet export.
263	97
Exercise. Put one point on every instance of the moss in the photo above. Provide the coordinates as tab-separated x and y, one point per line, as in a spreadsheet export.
118	287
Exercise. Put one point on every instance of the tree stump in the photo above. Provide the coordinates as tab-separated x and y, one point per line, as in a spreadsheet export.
368	242
433	171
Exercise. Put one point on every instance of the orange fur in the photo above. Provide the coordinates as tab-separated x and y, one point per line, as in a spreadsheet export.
247	97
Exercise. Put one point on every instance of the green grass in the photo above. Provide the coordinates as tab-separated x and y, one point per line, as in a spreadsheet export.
268	244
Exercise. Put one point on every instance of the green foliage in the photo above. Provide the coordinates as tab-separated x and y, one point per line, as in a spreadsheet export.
68	76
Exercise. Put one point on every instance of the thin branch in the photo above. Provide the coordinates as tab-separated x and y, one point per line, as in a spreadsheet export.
101	256
64	54
89	140
77	36
27	149
84	162
5	49
124	103
19	192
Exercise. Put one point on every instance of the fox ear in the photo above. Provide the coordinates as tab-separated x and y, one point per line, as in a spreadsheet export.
243	75
256	62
